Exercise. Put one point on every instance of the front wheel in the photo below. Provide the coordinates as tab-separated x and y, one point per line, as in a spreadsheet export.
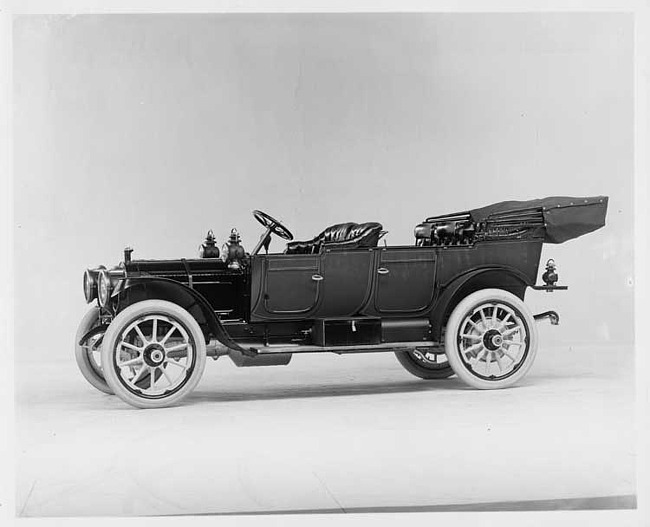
158	341
491	339
87	354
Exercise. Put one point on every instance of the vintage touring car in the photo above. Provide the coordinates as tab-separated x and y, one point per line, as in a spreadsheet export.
451	303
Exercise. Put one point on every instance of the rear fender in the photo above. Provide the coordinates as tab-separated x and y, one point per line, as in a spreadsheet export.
506	278
136	289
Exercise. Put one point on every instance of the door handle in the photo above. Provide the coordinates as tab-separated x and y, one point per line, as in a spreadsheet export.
383	270
316	277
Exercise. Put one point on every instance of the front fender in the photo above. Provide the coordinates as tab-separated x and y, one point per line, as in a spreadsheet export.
499	277
136	289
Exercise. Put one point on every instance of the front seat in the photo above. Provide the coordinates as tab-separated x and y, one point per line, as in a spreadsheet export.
340	236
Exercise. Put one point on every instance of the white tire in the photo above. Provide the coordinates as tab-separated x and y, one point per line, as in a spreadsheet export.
491	339
156	341
425	365
88	355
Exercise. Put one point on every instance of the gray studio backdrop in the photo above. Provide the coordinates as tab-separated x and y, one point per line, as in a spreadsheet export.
148	130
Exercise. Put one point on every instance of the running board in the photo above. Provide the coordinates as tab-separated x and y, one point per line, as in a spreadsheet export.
280	354
358	348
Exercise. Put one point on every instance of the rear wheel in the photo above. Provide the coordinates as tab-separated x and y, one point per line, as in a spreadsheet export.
158	342
425	364
491	339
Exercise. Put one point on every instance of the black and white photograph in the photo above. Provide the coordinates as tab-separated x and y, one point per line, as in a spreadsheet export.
298	265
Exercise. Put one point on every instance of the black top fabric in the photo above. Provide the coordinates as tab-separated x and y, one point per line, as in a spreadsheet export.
564	217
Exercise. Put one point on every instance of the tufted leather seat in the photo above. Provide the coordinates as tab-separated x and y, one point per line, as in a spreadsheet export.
342	235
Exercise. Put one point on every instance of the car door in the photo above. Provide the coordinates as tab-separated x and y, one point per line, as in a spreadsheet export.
404	279
284	286
346	283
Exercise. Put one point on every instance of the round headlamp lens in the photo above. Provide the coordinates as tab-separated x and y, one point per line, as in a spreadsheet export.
103	288
90	286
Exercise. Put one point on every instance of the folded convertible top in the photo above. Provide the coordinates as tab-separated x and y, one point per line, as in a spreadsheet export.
555	219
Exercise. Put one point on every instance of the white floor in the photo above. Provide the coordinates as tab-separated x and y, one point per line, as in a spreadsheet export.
326	432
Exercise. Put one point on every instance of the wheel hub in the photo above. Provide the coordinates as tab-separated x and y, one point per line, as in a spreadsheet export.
492	340
154	355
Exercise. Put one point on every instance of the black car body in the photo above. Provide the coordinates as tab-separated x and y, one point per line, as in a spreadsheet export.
341	292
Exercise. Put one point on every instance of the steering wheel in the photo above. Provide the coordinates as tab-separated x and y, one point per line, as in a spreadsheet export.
272	226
